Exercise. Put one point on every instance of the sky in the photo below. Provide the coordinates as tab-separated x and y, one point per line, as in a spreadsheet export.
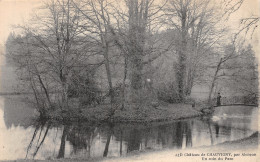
18	12
13	12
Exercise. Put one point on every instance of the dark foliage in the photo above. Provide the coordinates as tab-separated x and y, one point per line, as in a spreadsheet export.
84	87
168	93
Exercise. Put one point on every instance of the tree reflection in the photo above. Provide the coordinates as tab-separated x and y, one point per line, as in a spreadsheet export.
81	137
39	126
161	135
210	132
121	141
188	134
45	134
31	142
178	135
110	132
182	131
134	140
62	144
217	130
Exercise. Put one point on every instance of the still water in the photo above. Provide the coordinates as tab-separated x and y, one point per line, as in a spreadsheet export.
21	137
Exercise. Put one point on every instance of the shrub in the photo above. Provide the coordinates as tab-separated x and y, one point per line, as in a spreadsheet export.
168	93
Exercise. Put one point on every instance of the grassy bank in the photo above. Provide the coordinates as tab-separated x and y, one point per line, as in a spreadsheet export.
130	113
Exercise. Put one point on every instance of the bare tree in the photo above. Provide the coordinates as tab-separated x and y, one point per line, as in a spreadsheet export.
248	24
133	34
54	48
232	67
196	24
96	15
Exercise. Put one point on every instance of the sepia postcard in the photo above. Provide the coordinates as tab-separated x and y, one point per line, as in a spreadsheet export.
129	80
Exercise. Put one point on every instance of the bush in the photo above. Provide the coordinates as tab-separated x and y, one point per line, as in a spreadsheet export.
168	93
84	87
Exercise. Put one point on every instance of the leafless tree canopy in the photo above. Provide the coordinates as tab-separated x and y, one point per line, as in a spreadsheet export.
129	52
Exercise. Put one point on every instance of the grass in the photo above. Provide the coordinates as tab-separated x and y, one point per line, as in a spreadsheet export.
131	113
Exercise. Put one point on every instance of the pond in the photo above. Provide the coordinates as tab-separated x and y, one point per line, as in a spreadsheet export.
22	137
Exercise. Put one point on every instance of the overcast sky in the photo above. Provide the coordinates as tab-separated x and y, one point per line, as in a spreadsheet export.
18	11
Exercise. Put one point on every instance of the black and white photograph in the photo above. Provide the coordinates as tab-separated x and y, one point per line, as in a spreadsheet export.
129	80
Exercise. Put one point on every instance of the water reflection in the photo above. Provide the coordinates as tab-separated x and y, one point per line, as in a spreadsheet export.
44	139
16	112
81	138
40	139
91	140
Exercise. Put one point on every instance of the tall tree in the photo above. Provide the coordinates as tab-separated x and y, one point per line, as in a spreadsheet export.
195	23
134	34
96	14
54	47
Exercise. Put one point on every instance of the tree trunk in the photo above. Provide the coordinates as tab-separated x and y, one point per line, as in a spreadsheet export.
136	78
64	89
45	90
124	84
181	70
214	81
64	95
189	82
109	77
105	44
138	15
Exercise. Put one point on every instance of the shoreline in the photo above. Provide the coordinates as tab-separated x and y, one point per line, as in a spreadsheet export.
148	114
